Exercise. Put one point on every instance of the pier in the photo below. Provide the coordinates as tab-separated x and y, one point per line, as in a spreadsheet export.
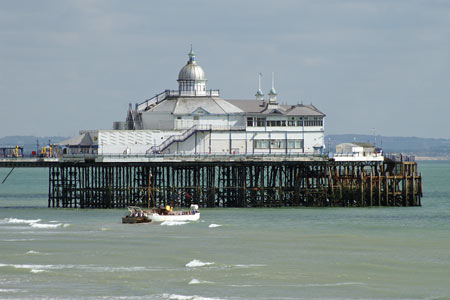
230	182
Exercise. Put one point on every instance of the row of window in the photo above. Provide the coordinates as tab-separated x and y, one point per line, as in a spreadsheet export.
278	144
299	122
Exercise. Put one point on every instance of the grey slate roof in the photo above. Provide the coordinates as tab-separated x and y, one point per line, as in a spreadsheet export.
81	140
259	107
189	105
216	105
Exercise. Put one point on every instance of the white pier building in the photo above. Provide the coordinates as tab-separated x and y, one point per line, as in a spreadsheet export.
195	121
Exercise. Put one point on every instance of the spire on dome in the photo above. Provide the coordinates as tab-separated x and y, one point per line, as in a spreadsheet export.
191	55
273	92
259	94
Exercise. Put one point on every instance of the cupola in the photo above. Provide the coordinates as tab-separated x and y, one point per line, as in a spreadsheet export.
191	79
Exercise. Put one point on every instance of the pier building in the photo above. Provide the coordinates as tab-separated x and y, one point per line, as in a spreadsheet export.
194	120
190	146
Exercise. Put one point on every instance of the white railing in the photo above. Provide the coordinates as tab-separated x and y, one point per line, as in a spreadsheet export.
154	100
174	93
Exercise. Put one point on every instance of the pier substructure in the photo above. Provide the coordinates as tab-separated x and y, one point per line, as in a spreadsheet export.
235	184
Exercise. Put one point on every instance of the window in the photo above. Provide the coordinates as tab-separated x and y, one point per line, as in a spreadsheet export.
314	121
277	144
249	122
261	144
295	144
260	122
276	123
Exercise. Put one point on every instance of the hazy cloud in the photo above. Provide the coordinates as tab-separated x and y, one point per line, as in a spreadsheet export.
70	65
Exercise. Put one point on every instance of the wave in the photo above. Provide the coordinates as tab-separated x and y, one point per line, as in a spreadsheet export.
196	263
37	271
37	225
91	268
196	281
182	297
249	266
37	268
17	240
10	290
20	221
33	252
330	284
214	225
173	223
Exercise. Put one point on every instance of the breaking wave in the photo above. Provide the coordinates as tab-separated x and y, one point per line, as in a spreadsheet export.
214	225
37	225
182	297
20	221
196	263
196	281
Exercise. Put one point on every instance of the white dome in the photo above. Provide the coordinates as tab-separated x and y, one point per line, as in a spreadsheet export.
191	71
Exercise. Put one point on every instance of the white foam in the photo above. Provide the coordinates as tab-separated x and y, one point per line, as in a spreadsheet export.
173	223
331	284
214	225
32	252
37	271
37	268
249	266
196	263
9	290
182	297
21	221
196	281
17	240
37	225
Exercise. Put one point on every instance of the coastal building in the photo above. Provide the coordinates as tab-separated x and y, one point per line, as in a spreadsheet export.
357	152
196	121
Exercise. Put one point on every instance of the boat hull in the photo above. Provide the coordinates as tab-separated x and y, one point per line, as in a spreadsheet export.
134	220
177	218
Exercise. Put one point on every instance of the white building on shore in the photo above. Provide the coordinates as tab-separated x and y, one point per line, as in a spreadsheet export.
195	121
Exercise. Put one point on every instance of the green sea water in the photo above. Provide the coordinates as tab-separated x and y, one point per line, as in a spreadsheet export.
285	253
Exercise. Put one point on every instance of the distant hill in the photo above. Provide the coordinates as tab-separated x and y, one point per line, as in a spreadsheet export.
429	147
29	143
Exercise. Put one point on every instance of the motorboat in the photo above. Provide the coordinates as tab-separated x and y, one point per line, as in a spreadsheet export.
168	214
136	215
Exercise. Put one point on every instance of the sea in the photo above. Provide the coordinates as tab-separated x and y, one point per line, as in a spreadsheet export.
231	253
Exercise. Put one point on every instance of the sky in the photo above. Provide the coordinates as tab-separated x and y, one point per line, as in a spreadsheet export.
378	67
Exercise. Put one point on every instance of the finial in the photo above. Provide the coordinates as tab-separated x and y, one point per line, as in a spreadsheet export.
273	91
259	94
191	55
273	80
259	82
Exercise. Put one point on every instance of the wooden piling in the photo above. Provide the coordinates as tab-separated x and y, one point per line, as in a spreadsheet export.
235	184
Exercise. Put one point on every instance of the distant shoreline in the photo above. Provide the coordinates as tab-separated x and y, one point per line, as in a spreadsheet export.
431	158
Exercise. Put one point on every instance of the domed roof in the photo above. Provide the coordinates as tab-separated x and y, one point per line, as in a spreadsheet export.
191	71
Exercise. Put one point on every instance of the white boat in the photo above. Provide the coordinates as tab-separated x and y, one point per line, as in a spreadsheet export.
162	215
